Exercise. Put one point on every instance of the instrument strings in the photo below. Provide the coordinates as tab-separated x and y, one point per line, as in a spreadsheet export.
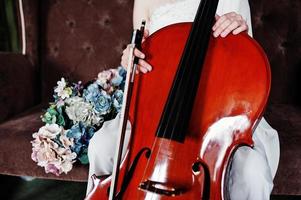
184	81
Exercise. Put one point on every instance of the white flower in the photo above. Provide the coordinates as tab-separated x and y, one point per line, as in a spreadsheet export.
46	154
49	131
78	110
94	119
74	100
66	142
49	154
104	78
60	86
65	160
61	89
66	166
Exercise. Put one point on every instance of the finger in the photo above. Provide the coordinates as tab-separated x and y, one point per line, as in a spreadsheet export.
219	22
142	69
221	28
122	61
239	17
145	35
217	17
139	54
145	65
233	14
240	29
230	28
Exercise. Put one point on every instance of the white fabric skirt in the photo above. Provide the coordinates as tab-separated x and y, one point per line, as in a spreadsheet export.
251	174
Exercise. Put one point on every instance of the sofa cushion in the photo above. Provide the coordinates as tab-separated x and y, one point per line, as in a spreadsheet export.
15	148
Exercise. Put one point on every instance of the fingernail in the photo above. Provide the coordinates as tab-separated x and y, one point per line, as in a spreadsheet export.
142	56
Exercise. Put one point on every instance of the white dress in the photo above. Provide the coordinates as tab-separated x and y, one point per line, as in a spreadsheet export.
253	169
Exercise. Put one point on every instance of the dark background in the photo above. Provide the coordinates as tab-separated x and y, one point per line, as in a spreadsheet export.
9	37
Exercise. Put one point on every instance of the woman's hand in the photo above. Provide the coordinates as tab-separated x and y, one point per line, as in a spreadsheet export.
143	66
227	23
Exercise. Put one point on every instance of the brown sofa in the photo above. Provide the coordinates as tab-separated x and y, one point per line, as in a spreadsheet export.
77	39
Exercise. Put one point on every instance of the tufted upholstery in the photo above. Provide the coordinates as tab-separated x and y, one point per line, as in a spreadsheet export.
77	39
86	39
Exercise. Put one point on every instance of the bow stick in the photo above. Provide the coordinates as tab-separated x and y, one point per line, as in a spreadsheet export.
132	67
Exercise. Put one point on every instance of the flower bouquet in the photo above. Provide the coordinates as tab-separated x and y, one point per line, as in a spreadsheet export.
77	112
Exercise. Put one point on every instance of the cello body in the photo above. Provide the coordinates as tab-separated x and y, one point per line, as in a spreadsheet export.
235	80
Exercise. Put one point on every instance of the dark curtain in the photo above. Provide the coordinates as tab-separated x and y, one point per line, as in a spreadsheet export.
9	37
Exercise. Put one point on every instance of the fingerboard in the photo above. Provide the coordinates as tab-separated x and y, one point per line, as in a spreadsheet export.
178	108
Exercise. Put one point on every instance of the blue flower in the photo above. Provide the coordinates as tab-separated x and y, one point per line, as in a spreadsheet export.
76	131
77	148
102	103
119	77
81	135
122	73
91	93
117	100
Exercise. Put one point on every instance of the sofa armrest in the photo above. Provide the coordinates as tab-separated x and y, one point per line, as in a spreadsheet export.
19	84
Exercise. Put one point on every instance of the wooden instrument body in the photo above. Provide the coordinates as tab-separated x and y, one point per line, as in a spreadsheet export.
235	81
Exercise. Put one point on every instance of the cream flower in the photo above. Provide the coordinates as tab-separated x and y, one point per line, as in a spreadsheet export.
49	131
94	119
104	79
45	155
60	85
66	142
61	89
49	154
78	110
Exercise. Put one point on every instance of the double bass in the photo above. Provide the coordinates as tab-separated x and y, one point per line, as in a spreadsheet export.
177	150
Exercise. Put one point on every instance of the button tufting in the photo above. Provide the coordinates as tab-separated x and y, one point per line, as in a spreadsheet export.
89	2
104	20
107	21
56	1
88	47
121	45
71	23
121	2
54	50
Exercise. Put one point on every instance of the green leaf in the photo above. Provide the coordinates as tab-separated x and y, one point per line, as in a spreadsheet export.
84	159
